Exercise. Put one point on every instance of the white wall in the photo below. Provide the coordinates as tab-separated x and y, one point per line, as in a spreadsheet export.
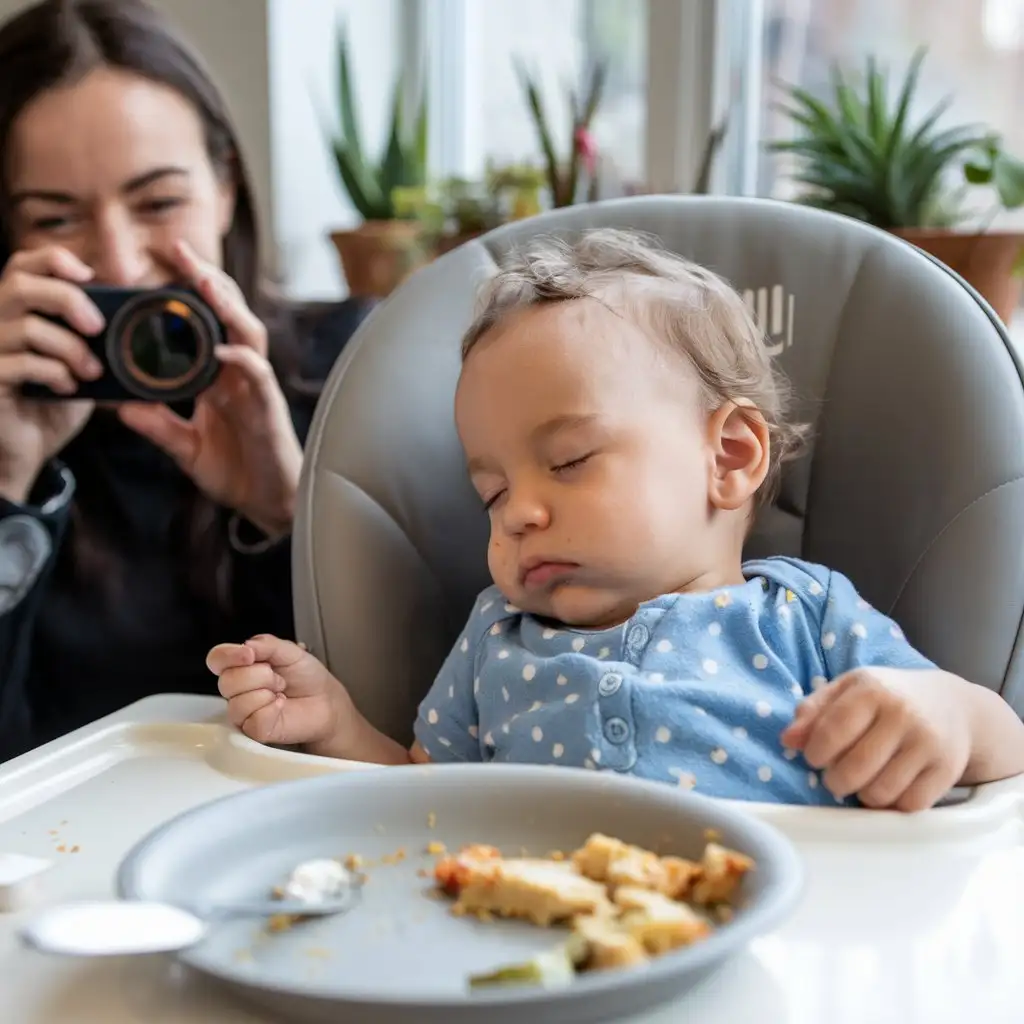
231	35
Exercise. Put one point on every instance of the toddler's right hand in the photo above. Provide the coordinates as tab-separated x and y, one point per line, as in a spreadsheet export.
277	692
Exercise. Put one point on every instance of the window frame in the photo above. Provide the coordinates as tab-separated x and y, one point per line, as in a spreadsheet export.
686	89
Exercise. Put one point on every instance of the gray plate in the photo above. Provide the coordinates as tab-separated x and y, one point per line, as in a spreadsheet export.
400	956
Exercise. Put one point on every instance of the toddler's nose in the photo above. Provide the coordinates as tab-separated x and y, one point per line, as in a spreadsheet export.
523	512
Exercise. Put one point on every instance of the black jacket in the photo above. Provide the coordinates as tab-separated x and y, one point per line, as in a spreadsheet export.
73	646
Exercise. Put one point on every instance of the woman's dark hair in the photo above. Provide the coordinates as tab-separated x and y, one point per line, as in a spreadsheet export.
57	42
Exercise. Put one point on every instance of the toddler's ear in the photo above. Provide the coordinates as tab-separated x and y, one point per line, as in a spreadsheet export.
738	438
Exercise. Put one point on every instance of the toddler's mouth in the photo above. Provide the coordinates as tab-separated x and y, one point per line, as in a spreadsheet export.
535	573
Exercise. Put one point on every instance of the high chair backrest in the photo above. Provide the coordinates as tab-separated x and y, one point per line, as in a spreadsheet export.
914	484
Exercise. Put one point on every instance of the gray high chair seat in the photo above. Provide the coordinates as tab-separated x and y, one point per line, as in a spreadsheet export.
914	484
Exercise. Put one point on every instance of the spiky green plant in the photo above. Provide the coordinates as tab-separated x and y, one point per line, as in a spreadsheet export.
371	184
859	153
564	175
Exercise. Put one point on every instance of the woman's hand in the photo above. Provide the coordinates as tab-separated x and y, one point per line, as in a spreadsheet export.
35	350
240	446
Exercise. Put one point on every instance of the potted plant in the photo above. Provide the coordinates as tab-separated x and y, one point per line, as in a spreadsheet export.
467	209
382	250
565	178
862	154
457	210
518	189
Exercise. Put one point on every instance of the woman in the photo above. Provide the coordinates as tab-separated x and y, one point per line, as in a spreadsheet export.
131	538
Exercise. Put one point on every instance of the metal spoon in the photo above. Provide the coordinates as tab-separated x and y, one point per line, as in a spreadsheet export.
126	927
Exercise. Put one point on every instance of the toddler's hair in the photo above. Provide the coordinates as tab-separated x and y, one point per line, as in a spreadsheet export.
684	304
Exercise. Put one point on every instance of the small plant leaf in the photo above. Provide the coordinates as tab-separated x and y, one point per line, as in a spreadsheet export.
903	102
978	174
540	121
346	98
1008	178
392	172
877	113
363	190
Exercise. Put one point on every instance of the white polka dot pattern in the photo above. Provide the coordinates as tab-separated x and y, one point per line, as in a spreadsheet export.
694	690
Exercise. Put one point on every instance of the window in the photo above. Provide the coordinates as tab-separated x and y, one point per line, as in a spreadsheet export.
477	101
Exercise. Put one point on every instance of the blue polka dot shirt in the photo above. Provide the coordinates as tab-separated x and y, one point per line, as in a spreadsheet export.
694	690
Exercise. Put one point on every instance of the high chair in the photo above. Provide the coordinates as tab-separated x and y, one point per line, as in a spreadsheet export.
913	485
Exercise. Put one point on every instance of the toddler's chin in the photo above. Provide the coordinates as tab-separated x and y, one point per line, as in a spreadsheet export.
586	608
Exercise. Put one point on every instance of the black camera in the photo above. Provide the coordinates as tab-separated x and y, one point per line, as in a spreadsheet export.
157	346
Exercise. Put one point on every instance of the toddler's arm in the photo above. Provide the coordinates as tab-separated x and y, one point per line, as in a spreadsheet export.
995	734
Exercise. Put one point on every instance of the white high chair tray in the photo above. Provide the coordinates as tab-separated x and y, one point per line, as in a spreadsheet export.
904	920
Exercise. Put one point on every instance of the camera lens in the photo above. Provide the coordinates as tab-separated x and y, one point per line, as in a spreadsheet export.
161	344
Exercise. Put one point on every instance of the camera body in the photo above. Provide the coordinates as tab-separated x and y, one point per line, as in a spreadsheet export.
157	346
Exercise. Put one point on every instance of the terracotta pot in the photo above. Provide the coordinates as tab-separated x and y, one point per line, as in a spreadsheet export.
378	255
449	242
984	260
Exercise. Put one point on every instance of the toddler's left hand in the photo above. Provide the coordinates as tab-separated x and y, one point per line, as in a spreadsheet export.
897	738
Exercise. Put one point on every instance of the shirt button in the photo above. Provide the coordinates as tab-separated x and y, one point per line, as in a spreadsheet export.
609	684
638	636
616	731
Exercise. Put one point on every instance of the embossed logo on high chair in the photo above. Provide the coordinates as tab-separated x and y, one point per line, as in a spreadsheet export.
773	310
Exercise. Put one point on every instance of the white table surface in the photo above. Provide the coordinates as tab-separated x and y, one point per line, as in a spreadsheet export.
905	920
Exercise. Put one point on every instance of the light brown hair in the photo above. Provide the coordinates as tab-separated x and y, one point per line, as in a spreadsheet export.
674	300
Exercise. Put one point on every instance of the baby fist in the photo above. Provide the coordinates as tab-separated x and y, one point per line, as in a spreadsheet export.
891	736
277	692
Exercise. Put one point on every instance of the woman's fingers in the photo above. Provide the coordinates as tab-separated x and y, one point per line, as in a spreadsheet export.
29	368
164	428
253	367
50	261
49	339
22	292
36	285
224	297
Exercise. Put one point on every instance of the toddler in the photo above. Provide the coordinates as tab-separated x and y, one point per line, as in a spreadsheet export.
622	423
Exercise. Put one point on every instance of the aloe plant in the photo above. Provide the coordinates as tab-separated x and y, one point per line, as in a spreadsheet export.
860	153
371	184
564	176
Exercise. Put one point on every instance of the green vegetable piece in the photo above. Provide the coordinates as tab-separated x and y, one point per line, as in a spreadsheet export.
548	970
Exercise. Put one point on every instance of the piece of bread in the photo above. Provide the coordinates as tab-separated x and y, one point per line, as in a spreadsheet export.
541	891
721	871
658	923
607	945
616	863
